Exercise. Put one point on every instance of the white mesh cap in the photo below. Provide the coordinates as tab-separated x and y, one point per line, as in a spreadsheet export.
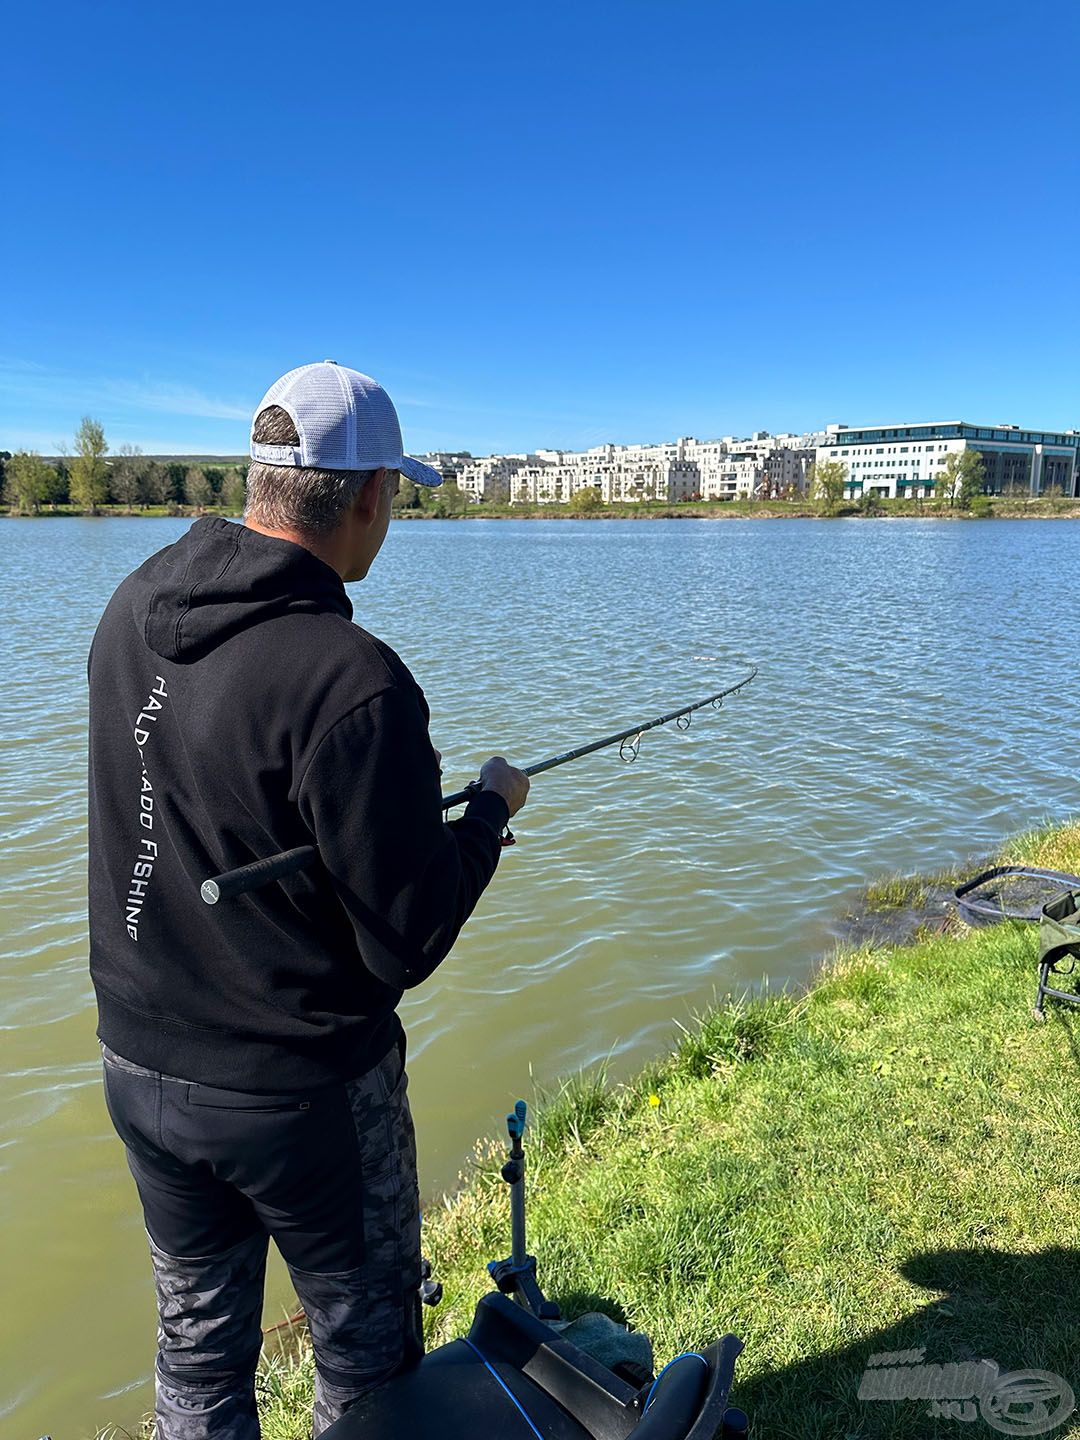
345	420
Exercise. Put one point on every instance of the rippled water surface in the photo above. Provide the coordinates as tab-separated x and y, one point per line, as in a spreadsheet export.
908	713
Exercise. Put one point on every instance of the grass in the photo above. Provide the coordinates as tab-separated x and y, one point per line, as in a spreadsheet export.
1050	846
987	507
888	1161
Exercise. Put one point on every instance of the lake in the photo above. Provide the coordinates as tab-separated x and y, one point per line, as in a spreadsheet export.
908	714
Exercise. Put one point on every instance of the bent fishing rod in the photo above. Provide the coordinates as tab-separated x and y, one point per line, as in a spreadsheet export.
288	862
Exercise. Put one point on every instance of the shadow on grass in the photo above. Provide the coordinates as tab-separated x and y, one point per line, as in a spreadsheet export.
1066	1018
1020	1311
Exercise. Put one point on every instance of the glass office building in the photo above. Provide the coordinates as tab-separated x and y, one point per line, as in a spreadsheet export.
905	460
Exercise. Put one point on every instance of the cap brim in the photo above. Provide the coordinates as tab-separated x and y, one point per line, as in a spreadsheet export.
418	471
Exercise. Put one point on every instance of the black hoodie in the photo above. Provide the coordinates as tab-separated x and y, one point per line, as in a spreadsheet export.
235	711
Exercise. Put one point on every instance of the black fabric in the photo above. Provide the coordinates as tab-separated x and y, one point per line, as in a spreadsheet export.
235	711
330	1173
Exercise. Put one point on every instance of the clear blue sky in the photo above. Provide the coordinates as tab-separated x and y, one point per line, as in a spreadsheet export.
540	224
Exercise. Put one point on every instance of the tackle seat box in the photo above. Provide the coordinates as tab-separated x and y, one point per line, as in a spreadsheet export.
515	1378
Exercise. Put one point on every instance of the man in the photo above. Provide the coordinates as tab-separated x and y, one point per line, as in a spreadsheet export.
254	1062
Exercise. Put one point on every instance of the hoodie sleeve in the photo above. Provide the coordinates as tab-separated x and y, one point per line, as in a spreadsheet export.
408	881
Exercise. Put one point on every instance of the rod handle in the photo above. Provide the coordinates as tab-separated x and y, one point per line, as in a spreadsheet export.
257	874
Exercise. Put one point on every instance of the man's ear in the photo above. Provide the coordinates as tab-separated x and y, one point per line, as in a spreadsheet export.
366	504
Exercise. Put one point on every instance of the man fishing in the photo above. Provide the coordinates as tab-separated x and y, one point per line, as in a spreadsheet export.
254	1060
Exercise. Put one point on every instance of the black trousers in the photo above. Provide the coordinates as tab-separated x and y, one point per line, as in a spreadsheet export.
330	1175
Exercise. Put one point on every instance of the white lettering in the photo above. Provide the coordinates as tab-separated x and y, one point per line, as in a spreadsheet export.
965	1410
883	1384
954	1381
143	868
898	1357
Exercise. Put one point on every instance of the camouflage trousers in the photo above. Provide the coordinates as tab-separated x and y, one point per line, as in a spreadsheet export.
330	1176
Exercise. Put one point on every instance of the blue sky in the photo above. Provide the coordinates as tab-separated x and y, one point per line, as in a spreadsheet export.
540	225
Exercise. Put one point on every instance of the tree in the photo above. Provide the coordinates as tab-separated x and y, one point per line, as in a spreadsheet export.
448	499
126	479
89	473
156	484
28	482
233	492
197	490
60	491
827	483
962	477
586	501
408	495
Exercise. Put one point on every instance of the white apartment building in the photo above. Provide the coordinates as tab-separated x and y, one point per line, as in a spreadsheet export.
541	483
449	463
684	469
488	479
905	460
772	465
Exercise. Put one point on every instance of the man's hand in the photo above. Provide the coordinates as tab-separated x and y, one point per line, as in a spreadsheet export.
513	785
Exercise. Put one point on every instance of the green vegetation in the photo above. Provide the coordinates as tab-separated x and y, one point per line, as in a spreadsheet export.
827	482
130	483
884	1163
895	892
909	892
197	491
126	479
88	471
1016	506
162	491
135	484
28	482
888	1161
961	479
587	501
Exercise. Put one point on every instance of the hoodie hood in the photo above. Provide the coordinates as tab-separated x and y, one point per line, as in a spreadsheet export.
221	578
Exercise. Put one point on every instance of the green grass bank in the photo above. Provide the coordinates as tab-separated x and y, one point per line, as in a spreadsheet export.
887	1161
999	507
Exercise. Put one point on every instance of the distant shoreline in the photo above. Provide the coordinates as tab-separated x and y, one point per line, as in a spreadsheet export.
1041	509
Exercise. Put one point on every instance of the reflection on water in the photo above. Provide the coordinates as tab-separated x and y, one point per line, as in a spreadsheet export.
907	714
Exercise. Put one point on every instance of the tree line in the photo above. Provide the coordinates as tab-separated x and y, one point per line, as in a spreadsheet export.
960	481
88	480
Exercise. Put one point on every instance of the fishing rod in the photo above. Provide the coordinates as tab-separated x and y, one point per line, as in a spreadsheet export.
288	862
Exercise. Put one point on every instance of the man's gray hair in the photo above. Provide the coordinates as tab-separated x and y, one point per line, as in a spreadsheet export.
290	497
